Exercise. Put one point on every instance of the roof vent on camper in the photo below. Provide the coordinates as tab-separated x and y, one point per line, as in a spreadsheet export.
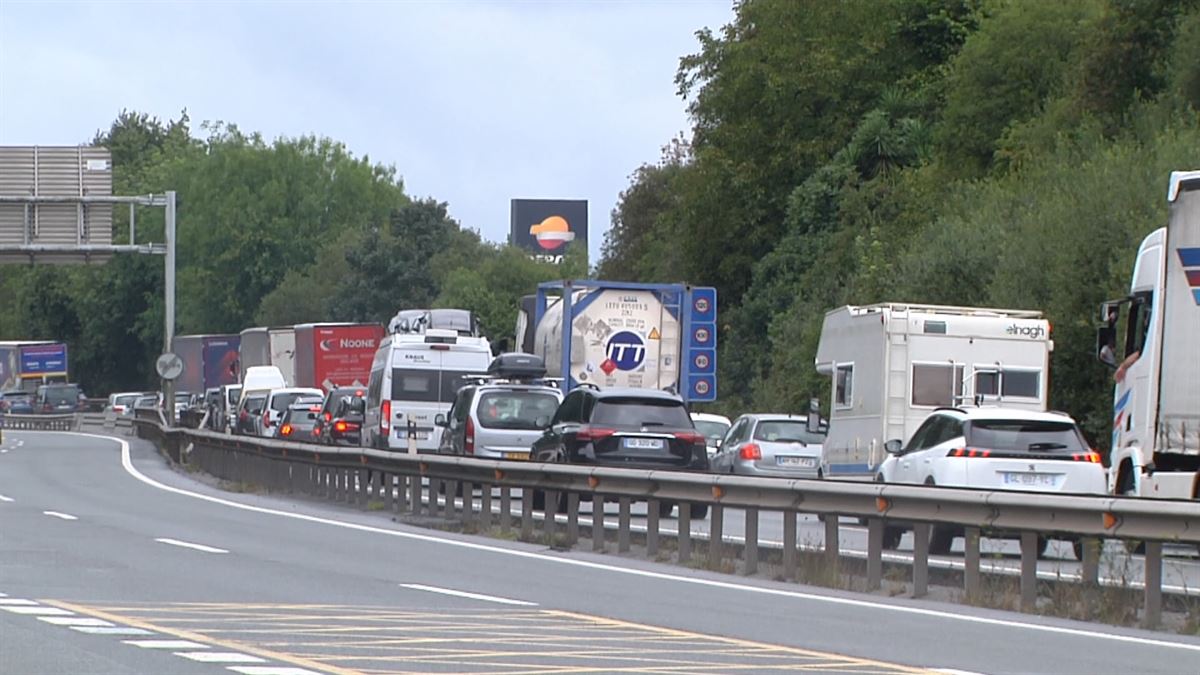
517	366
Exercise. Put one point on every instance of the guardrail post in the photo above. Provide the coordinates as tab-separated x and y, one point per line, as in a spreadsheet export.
1152	609
550	515
685	532
401	485
920	559
505	508
1090	565
598	523
293	477
468	501
652	528
572	518
485	506
1029	556
414	490
750	550
366	488
435	490
971	578
789	545
833	548
874	554
449	492
623	525
335	484
388	486
716	536
526	514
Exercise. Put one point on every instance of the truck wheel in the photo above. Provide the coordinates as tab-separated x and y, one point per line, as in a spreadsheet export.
891	536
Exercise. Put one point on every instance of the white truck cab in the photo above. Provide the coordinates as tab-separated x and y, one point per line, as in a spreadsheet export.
1152	338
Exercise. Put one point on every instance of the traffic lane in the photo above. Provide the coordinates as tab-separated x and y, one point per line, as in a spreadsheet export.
340	546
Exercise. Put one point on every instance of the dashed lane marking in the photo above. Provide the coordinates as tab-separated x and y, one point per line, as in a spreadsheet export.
188	544
59	514
37	611
111	630
74	621
221	657
6	499
16	601
165	644
468	595
271	670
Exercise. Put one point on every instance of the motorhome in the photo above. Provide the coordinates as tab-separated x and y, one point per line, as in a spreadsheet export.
414	377
890	365
1152	336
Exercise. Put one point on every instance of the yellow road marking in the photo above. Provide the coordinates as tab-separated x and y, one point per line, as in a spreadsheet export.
197	637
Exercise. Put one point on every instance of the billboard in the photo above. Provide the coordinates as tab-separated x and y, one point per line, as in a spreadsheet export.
44	360
549	227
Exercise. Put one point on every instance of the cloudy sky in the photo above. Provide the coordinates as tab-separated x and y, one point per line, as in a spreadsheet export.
474	102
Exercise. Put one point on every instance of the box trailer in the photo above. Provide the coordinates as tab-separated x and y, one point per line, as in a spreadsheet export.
892	364
330	355
25	364
263	346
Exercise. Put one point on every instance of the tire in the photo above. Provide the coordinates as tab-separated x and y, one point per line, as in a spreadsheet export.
1125	489
698	511
940	540
891	536
1077	546
665	509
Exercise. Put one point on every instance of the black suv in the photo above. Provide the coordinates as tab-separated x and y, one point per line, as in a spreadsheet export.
631	428
341	418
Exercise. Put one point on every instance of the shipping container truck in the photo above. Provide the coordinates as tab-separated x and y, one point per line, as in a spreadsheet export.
620	334
1152	338
330	355
270	347
25	364
208	361
892	364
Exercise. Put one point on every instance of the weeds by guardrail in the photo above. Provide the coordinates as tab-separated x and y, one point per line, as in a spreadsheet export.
374	479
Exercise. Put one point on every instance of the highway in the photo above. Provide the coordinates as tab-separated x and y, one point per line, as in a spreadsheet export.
111	562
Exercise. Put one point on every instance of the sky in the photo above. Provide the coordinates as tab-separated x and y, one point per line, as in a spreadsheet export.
474	103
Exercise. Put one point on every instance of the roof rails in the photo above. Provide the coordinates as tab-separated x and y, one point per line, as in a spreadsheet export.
946	309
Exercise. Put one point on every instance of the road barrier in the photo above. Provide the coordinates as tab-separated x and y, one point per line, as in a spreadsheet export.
411	482
38	422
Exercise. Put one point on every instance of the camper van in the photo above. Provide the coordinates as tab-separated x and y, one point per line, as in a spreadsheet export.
890	365
414	377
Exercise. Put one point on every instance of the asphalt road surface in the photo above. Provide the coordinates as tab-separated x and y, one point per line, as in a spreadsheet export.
112	563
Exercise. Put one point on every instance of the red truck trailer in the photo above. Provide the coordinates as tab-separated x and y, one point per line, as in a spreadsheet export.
332	355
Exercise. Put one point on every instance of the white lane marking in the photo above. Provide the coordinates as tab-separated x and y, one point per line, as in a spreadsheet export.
165	644
3	595
5	499
59	514
1091	632
74	621
270	670
111	630
955	671
44	611
16	601
185	544
220	657
472	596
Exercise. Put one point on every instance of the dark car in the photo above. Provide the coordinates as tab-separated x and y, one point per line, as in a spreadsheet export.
16	402
341	418
249	413
298	421
59	398
629	428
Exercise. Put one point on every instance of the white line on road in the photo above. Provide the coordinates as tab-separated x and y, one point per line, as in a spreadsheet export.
17	601
184	544
1088	633
5	499
165	644
220	657
271	670
111	630
44	611
74	621
955	671
57	514
472	596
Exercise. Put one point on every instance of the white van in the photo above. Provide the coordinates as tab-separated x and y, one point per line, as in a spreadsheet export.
415	377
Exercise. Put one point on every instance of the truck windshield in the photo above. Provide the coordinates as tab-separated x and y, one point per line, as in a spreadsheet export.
515	409
641	412
1025	436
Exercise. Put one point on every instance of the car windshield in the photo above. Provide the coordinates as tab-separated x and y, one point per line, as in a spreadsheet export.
515	409
126	399
713	431
281	402
786	431
254	404
1025	436
641	412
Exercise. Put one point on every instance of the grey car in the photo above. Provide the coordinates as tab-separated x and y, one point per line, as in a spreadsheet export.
771	445
497	420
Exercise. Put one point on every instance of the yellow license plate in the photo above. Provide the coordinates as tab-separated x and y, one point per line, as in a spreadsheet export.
517	455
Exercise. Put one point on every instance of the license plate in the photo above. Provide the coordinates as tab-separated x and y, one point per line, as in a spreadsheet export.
402	434
1030	479
516	455
787	460
643	443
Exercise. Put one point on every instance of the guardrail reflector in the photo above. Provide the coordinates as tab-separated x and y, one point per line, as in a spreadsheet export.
424	468
1110	520
718	492
499	474
882	504
593	482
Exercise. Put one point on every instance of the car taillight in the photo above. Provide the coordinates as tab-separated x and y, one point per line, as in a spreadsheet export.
593	433
1092	457
285	430
340	425
469	437
693	437
328	416
969	452
385	418
750	451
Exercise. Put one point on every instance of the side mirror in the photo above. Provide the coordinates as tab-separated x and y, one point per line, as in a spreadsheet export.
541	422
893	446
717	443
439	420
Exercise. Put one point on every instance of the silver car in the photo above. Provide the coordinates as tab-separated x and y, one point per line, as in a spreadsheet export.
771	445
497	421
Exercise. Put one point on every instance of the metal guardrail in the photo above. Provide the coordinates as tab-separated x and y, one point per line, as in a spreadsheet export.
38	422
412	481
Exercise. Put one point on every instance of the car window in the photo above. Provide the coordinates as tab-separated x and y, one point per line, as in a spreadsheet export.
571	409
1025	436
641	412
737	433
713	431
280	402
515	409
948	428
917	441
254	404
785	431
462	405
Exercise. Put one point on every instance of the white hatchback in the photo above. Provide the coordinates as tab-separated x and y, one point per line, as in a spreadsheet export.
993	449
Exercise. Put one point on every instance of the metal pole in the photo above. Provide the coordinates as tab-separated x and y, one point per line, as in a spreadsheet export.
169	285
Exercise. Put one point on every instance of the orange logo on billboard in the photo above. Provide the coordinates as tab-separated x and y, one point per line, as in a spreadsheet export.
552	233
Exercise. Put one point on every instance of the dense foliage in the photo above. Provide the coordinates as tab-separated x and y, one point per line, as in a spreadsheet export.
975	152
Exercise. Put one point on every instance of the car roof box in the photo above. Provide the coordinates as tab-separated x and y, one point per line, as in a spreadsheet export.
518	366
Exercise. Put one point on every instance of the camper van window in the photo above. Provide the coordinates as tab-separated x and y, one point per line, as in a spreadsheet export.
1012	383
936	384
843	395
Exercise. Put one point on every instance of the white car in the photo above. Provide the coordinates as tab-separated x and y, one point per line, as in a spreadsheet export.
992	449
713	427
277	404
